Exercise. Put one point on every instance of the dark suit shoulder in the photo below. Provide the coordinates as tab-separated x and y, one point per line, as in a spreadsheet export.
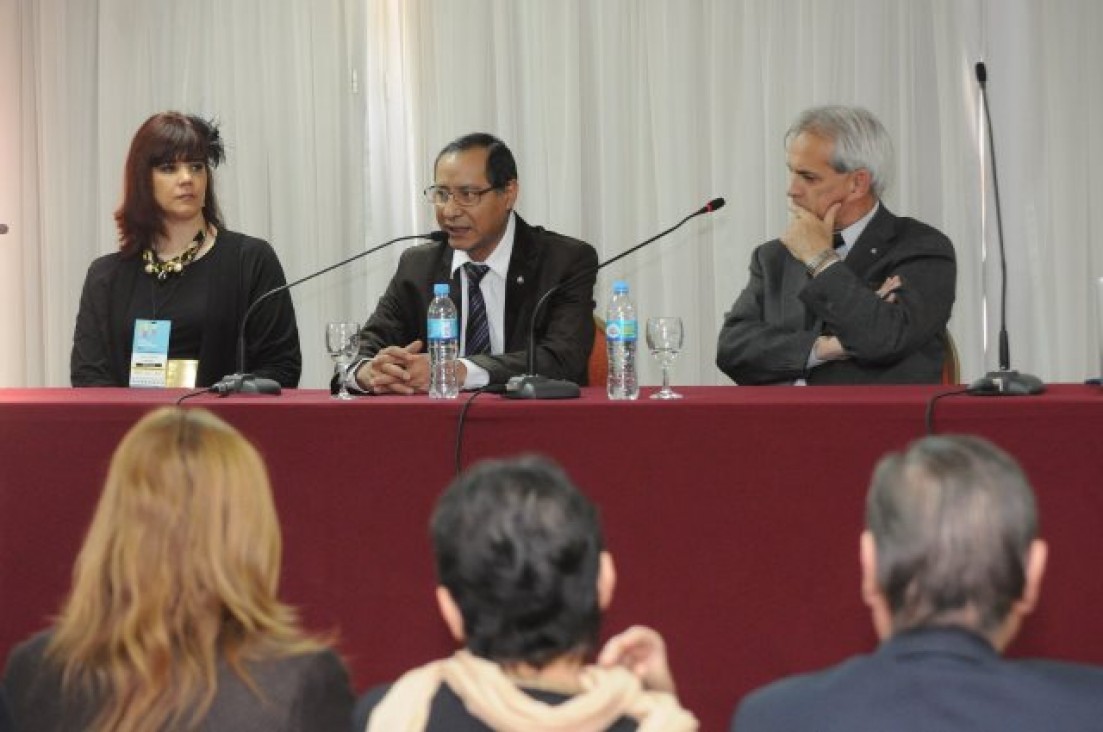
771	251
917	235
909	225
949	687
1076	680
553	237
539	236
427	250
793	703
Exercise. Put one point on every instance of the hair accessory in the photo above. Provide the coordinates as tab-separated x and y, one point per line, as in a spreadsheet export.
174	266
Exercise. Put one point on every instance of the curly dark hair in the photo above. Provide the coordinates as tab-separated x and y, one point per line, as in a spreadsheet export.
519	549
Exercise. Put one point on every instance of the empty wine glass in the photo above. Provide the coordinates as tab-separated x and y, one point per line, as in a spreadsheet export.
664	339
343	343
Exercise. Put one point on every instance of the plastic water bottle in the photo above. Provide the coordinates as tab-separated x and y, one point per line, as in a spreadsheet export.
444	344
620	336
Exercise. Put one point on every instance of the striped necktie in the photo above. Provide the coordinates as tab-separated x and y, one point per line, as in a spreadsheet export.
478	328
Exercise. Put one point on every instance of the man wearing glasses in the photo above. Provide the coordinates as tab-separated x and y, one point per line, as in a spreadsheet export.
498	267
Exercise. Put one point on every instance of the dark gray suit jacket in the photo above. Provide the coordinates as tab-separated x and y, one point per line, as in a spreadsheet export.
768	334
931	680
540	260
307	693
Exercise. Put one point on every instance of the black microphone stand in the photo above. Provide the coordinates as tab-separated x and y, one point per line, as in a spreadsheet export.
244	383
534	386
1003	382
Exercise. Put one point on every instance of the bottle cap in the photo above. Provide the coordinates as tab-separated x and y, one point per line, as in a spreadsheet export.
441	288
620	287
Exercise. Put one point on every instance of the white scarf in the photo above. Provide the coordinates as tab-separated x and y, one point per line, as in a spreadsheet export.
489	695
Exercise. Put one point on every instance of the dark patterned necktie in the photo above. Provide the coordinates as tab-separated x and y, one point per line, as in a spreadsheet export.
478	328
838	242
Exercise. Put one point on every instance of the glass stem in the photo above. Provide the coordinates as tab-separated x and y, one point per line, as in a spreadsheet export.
666	379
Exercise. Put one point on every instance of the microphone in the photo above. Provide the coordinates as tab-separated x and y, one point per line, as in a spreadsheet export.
242	382
534	386
1004	381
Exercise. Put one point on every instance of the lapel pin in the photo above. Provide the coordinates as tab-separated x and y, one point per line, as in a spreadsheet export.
520	280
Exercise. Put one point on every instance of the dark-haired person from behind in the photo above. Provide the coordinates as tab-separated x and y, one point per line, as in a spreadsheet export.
951	566
173	620
524	579
178	263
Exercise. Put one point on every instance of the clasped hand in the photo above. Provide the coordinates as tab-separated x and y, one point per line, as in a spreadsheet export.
400	370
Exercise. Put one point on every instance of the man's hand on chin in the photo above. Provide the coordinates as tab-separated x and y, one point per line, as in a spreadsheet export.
807	234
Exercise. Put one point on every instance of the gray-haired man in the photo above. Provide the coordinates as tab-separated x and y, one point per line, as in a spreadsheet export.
951	565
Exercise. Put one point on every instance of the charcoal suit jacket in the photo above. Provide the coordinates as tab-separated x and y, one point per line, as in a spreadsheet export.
541	259
767	336
934	679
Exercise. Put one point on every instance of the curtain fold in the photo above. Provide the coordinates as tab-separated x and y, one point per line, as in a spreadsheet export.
278	75
625	115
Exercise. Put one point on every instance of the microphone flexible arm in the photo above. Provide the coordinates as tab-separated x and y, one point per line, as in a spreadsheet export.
235	382
1004	347
522	387
1004	381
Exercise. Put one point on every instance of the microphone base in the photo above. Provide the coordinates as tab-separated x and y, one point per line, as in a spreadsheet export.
540	387
1006	383
246	384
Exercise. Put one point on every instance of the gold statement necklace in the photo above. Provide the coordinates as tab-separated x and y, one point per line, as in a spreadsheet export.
162	269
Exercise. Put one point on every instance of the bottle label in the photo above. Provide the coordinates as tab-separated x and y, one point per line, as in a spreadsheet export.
620	330
443	329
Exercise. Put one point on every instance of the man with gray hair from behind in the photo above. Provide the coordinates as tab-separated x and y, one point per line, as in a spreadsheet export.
951	565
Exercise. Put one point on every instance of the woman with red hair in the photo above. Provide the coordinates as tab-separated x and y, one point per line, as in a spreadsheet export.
178	263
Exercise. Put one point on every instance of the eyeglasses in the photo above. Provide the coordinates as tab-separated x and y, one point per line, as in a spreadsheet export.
466	197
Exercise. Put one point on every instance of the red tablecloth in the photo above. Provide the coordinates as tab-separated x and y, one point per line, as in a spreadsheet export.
733	514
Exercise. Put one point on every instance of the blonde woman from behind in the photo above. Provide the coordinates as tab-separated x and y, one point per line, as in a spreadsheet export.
173	619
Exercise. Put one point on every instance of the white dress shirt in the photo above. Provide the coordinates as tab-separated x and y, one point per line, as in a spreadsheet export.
493	287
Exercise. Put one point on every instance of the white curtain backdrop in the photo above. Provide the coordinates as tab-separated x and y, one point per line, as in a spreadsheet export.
281	76
624	116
